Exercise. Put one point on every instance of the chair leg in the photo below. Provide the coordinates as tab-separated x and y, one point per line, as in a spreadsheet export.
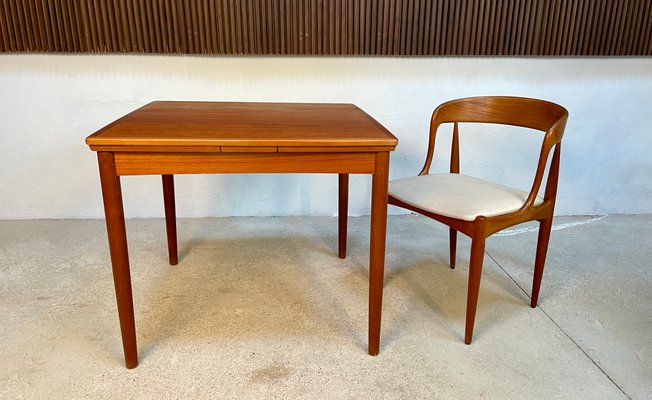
545	226
475	273
453	246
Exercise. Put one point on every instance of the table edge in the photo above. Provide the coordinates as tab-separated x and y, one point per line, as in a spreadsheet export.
96	143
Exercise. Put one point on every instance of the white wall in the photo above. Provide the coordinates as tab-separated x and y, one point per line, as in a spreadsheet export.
50	103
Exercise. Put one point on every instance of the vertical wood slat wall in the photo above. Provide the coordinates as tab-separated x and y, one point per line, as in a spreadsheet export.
329	27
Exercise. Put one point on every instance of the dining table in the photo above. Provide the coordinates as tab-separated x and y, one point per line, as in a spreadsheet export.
169	138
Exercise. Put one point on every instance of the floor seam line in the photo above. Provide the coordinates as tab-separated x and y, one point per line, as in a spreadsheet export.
560	328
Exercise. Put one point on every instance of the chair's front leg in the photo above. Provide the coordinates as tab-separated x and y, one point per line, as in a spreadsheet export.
343	212
170	218
115	226
475	274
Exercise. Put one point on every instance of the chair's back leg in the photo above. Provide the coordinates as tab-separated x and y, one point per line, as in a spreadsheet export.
453	246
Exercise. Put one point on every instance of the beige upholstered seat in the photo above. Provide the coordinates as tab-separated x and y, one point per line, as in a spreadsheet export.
478	208
458	196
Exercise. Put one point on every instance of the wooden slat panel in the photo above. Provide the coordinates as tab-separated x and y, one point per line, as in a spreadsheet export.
646	29
329	27
4	31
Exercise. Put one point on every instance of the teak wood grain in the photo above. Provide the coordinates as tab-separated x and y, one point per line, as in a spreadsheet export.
168	138
238	125
130	163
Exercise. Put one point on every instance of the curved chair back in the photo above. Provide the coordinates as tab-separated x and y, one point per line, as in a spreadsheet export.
519	111
516	111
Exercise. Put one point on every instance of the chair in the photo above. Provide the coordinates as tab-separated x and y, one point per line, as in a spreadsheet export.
480	208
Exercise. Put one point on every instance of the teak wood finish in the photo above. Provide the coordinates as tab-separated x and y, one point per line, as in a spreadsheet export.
523	112
168	138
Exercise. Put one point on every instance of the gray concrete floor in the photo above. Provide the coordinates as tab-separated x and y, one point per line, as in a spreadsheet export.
263	308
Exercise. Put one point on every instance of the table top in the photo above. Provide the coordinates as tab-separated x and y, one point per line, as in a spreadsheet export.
178	124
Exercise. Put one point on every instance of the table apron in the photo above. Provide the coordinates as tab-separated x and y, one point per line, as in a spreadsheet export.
131	163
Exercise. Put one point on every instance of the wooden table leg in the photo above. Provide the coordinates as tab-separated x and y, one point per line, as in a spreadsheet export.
377	248
115	226
343	212
170	218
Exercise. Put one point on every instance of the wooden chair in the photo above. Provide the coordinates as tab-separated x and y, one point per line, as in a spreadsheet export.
479	208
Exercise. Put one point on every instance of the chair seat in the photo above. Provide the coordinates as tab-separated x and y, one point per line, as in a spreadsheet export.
458	196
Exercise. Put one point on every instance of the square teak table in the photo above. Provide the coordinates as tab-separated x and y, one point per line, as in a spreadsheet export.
166	138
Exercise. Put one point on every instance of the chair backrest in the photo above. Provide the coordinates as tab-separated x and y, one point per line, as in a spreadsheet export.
516	111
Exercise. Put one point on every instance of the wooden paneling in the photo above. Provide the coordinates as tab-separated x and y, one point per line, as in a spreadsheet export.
329	27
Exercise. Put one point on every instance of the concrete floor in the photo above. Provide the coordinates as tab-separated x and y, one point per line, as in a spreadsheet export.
263	308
